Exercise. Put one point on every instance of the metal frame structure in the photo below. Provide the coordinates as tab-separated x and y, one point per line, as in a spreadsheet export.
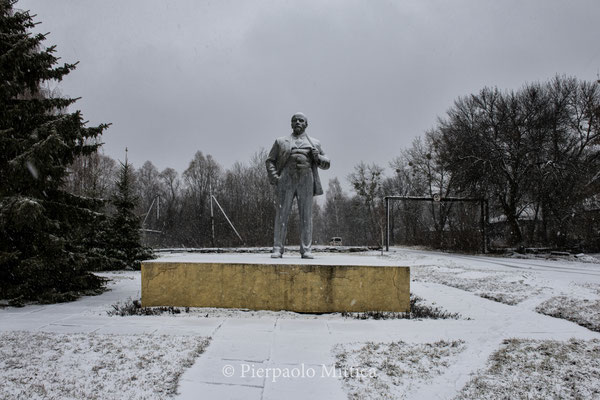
212	216
142	226
436	198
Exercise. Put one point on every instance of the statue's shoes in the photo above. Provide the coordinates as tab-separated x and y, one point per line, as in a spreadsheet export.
308	255
276	255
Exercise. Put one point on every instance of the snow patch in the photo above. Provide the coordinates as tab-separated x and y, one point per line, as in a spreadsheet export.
399	366
37	365
534	369
584	312
494	285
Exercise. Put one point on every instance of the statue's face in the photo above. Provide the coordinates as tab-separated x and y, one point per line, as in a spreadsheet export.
299	123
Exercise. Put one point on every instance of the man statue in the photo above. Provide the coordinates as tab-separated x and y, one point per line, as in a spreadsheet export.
292	167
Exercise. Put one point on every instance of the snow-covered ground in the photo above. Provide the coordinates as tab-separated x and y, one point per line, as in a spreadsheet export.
539	369
39	365
389	370
566	288
75	350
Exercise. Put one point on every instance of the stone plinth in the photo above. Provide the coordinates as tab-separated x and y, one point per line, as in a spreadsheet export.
312	288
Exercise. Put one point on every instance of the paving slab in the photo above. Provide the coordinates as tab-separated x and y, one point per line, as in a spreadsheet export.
295	348
312	381
209	369
314	327
252	350
193	390
66	328
233	326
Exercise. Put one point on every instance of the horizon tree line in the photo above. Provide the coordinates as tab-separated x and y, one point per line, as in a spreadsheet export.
533	153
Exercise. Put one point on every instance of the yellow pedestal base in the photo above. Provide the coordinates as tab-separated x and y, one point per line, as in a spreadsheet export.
291	287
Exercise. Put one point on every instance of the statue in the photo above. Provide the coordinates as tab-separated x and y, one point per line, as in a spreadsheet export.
292	167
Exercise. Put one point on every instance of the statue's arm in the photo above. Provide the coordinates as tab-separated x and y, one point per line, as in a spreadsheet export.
271	164
322	161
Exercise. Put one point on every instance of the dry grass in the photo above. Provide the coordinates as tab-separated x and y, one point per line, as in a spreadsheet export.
533	369
398	366
419	309
498	286
583	312
36	365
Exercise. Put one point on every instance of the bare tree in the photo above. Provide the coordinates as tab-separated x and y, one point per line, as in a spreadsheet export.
248	198
489	142
533	152
147	188
202	174
92	175
170	208
568	169
366	181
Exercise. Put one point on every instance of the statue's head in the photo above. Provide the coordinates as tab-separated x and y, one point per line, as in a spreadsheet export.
299	123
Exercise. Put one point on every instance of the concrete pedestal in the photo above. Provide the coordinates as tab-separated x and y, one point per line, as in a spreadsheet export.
293	286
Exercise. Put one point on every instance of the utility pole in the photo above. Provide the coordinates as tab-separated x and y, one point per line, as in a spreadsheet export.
212	215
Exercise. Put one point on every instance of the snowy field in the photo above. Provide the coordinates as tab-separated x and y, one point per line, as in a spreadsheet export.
526	328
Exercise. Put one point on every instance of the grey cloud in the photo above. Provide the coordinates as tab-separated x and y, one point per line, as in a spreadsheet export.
224	77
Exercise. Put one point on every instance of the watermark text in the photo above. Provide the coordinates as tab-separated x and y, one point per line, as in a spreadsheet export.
301	371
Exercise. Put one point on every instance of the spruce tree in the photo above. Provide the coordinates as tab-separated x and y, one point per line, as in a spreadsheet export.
42	252
124	232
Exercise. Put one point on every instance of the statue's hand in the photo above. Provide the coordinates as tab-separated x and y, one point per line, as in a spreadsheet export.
315	154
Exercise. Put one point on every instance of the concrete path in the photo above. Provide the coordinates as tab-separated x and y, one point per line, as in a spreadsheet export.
246	349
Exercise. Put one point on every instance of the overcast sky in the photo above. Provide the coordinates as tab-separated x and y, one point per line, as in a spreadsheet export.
224	77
